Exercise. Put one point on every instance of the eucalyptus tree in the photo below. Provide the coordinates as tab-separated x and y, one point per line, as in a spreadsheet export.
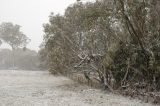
11	34
114	41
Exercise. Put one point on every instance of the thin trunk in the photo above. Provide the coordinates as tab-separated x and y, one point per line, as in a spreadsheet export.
13	57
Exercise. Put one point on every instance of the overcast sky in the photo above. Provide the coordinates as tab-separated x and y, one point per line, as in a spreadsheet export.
31	14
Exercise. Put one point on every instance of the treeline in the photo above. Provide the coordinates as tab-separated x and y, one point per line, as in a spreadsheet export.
116	42
23	59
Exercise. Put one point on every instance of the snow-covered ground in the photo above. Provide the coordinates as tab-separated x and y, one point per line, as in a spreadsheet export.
39	88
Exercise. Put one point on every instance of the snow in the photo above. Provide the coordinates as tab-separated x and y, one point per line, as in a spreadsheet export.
39	88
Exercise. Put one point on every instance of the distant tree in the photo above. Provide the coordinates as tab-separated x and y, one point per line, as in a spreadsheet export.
27	60
11	34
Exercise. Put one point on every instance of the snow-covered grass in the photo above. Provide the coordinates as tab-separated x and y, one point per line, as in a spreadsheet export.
39	88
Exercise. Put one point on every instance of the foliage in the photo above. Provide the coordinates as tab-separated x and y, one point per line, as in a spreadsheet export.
115	42
12	35
26	60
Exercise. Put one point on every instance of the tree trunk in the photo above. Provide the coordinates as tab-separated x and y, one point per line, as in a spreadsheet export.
13	58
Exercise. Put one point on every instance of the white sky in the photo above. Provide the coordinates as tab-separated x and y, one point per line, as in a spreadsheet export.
31	14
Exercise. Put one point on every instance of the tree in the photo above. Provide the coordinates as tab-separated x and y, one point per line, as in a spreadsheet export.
117	40
12	35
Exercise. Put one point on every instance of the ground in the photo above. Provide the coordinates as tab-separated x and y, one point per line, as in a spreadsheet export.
39	88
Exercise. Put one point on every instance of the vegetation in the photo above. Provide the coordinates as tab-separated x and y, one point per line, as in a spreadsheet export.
116	42
11	34
24	60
